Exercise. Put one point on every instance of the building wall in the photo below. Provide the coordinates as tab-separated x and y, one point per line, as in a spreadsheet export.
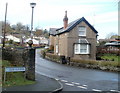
73	38
61	41
51	38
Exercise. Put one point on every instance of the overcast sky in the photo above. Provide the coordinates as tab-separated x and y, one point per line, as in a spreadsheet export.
103	14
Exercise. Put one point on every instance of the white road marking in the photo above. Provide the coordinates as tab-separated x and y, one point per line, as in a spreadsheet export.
96	90
64	80
115	91
76	83
56	79
69	84
82	87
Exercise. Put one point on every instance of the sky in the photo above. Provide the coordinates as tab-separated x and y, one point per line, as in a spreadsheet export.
102	14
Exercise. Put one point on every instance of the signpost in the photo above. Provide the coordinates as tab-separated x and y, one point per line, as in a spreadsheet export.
13	69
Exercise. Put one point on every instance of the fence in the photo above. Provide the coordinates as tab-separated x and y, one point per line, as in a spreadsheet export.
108	50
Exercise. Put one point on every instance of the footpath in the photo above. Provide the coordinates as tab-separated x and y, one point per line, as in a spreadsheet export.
43	85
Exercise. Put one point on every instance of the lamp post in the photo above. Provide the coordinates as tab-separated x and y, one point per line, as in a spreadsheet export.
32	6
5	26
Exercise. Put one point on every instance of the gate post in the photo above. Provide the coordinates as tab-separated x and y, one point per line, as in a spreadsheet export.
30	63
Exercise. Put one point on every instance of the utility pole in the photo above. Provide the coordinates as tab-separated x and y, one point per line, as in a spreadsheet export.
5	26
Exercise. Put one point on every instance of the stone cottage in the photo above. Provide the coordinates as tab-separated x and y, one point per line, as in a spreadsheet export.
76	39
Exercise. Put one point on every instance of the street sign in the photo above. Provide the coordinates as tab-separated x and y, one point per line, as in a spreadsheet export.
14	69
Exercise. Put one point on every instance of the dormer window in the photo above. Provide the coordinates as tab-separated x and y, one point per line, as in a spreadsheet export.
82	30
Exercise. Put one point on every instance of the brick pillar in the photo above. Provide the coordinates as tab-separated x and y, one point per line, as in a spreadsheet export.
30	63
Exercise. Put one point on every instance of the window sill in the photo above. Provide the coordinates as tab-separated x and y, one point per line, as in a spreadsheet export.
82	54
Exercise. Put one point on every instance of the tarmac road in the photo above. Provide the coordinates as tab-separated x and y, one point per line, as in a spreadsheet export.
78	79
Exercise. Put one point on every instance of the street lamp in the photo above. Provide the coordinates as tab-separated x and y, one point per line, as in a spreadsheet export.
5	26
32	6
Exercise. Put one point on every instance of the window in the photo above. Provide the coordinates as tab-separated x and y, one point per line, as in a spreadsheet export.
82	30
77	48
56	48
81	49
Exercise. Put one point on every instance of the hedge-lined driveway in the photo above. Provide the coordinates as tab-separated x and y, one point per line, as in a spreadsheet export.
77	79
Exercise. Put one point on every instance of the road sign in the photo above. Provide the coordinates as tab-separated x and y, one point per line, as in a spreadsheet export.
14	69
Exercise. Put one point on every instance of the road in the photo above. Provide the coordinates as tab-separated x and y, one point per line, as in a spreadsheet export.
77	79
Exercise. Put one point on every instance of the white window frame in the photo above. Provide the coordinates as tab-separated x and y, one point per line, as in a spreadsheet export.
83	39
81	30
79	47
56	48
76	48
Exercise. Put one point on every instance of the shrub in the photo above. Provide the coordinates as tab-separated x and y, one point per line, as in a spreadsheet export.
84	61
53	56
93	62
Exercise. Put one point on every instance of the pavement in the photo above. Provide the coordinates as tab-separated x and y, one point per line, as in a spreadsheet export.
43	84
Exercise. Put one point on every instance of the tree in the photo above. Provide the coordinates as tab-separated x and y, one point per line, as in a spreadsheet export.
8	27
46	33
110	35
39	32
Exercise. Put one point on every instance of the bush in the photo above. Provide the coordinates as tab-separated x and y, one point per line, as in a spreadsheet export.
53	56
84	61
43	53
93	62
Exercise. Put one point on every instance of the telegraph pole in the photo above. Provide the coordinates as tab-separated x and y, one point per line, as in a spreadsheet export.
5	26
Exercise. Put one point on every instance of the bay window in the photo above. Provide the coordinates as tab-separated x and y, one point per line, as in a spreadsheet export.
81	48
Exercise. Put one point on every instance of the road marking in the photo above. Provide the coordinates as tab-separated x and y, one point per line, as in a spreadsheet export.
96	90
115	91
69	84
82	87
64	80
56	79
76	83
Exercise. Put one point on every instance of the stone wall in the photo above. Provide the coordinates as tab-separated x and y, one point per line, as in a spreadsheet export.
15	56
21	57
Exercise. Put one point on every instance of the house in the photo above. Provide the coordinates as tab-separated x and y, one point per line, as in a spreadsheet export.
76	39
11	37
113	43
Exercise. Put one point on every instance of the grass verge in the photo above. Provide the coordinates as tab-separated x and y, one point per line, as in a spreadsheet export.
13	78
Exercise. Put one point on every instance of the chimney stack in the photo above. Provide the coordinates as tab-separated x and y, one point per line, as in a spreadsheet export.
65	20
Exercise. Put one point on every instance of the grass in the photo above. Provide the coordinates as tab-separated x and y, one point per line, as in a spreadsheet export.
111	57
12	78
16	79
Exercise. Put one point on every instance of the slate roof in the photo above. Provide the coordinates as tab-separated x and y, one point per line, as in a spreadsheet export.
71	26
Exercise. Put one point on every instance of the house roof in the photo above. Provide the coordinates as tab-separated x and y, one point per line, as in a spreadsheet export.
52	31
72	25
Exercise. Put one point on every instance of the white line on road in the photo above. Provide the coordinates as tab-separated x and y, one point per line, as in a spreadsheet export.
76	83
56	79
64	81
82	87
69	84
115	91
96	90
